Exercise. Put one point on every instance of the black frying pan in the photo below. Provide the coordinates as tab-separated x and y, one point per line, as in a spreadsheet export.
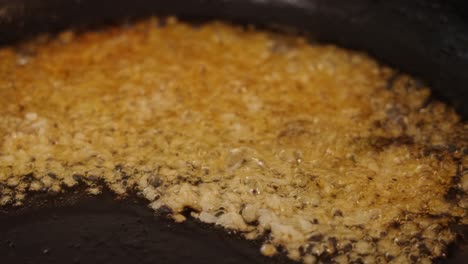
426	38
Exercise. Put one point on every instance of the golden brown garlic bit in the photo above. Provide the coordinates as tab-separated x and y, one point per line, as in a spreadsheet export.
333	155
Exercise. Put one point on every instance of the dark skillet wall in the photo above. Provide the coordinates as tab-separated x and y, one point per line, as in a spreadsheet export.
426	38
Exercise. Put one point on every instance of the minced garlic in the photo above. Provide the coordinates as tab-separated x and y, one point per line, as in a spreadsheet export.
317	149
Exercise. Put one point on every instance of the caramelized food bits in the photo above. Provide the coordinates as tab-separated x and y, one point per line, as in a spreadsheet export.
320	151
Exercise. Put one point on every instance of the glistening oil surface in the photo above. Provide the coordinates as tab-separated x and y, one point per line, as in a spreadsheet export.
317	149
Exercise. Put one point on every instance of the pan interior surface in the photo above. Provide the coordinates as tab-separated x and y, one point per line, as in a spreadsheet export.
75	227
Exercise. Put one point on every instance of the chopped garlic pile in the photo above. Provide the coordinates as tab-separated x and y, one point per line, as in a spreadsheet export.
316	149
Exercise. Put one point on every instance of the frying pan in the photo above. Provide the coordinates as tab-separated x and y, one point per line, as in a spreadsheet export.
425	38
